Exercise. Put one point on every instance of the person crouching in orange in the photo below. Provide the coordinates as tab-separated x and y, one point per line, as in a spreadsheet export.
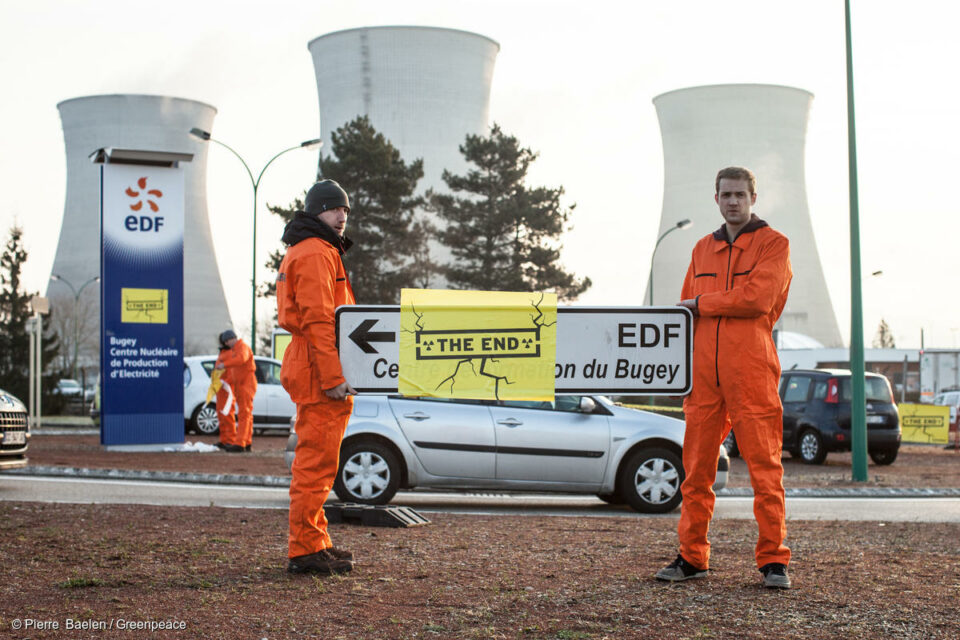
237	359
736	287
311	284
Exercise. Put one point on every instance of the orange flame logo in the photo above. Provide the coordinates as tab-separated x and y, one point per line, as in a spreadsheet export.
156	193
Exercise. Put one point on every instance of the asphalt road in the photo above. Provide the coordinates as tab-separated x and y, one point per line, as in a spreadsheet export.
72	490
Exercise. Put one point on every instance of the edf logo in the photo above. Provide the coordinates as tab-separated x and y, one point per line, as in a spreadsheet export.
144	223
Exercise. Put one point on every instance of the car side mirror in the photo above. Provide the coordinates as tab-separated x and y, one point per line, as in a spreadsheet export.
587	404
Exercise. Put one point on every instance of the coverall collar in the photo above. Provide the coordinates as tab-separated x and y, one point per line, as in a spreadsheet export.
305	226
754	225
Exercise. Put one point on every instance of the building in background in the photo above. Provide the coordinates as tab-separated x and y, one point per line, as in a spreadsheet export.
424	88
155	123
763	128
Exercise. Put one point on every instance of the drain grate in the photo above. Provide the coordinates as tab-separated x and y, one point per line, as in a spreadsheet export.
368	515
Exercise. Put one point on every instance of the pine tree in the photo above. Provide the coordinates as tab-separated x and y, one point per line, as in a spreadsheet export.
884	338
14	313
503	235
389	233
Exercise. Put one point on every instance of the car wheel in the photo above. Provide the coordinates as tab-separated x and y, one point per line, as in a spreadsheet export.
650	480
610	498
884	456
204	420
811	447
369	473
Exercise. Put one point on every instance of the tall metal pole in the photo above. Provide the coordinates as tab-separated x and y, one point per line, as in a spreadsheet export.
38	354
858	417
682	224
33	363
255	182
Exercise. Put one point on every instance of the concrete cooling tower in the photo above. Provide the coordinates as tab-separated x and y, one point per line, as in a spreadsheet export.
763	128
155	123
423	88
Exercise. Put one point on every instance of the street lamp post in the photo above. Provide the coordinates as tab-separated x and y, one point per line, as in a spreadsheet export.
686	223
76	318
205	136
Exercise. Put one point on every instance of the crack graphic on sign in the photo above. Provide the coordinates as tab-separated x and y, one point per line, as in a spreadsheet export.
516	342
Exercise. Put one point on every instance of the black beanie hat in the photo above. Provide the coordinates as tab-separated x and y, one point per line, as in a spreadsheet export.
325	195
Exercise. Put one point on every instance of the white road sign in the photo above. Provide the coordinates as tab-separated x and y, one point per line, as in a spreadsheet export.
621	350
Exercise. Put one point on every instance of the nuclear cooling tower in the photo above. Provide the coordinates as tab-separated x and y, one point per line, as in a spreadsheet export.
763	128
154	123
423	88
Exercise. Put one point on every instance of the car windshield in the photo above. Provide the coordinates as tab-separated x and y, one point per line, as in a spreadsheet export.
877	389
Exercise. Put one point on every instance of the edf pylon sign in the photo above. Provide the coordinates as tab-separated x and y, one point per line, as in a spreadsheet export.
141	298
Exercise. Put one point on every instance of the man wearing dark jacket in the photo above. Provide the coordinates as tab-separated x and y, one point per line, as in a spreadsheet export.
311	284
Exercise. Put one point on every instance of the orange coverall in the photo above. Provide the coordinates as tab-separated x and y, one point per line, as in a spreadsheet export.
226	415
242	374
311	284
741	289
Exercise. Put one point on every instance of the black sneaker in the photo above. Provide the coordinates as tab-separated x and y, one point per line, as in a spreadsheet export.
322	562
775	576
680	570
233	448
219	445
248	448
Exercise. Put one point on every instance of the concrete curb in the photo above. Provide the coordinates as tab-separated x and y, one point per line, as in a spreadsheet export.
852	492
284	481
152	476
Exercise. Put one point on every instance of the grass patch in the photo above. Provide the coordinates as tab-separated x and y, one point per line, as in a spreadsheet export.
80	583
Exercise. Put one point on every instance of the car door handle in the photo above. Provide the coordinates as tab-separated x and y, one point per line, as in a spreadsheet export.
418	416
510	422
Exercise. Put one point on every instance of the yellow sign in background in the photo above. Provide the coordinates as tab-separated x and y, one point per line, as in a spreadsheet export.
485	345
144	306
926	423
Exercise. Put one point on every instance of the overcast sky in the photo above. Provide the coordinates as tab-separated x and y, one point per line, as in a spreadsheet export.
573	80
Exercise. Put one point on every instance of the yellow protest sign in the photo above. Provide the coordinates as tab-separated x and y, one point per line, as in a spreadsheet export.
486	345
926	423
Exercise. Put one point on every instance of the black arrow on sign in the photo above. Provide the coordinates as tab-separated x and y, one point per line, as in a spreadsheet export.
362	336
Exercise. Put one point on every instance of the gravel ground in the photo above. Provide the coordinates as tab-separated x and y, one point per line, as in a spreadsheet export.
219	573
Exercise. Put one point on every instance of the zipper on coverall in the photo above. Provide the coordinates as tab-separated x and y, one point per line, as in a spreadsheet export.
716	358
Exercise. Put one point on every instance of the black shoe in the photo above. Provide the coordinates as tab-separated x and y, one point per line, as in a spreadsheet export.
248	448
219	445
680	570
233	448
775	576
322	562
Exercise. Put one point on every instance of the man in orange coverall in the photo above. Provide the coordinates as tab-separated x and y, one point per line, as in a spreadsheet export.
311	284
736	287
241	369
226	414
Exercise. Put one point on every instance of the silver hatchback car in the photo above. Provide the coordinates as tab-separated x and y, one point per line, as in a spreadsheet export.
575	444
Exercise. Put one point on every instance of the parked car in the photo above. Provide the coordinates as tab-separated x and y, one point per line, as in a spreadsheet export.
69	389
816	415
14	432
272	407
575	444
949	399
